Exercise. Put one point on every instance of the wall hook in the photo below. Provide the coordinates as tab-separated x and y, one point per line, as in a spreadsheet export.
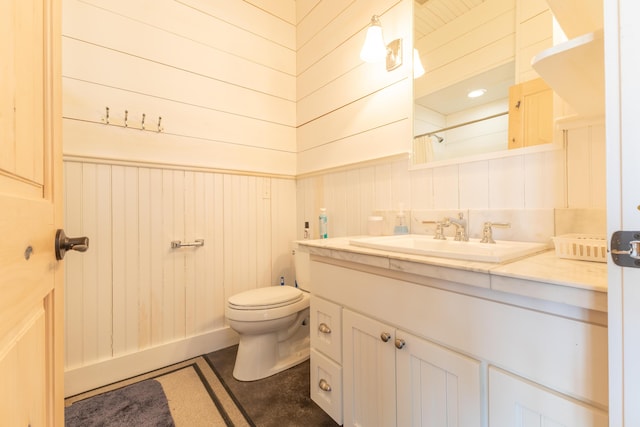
106	117
126	117
159	124
143	116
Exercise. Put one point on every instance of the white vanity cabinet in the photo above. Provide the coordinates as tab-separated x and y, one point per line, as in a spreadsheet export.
392	377
425	351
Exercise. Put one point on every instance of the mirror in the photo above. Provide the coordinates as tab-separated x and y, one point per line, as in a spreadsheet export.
463	46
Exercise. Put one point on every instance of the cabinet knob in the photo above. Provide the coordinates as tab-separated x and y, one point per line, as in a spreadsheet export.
400	343
324	385
385	336
324	328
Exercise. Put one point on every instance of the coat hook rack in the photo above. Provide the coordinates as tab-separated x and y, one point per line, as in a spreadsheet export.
125	123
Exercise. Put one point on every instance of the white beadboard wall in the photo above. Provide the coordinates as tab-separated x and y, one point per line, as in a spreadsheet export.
222	75
565	178
131	292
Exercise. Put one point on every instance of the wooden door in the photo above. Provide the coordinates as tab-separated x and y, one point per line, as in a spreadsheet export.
31	299
369	371
530	114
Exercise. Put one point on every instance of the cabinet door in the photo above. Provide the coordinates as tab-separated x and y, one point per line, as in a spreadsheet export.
436	387
368	371
514	401
530	114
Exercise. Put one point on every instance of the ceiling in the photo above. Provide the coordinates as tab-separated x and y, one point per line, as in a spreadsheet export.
429	15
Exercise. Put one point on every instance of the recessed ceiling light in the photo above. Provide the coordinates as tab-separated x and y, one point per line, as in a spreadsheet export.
476	93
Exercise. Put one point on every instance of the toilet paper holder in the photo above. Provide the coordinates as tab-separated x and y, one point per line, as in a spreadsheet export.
176	244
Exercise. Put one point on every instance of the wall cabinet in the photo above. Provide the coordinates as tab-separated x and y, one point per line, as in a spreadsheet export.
410	354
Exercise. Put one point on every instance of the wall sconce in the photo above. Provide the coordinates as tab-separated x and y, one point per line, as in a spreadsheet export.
374	49
418	69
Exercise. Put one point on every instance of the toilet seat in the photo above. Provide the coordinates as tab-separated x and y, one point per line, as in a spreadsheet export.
265	298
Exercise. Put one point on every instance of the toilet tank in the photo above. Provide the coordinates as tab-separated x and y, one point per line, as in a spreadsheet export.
301	266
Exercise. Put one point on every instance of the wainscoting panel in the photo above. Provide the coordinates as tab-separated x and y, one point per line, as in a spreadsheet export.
130	291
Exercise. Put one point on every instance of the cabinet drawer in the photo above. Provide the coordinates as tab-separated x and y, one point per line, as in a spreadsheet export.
326	328
516	401
326	385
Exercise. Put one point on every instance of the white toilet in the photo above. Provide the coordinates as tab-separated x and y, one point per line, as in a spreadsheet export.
273	324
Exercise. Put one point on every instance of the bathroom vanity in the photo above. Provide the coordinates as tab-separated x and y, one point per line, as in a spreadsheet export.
405	340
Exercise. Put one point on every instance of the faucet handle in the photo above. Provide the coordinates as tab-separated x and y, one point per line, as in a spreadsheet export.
439	229
487	231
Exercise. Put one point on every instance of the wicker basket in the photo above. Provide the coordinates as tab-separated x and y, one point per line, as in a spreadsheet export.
584	247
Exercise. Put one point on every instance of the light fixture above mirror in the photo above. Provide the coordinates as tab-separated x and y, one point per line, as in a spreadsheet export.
375	50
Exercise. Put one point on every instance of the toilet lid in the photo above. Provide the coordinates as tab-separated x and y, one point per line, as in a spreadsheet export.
263	298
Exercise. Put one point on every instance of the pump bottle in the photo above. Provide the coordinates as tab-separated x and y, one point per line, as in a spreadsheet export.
322	223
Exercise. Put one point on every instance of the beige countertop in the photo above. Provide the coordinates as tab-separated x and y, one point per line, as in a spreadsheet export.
543	276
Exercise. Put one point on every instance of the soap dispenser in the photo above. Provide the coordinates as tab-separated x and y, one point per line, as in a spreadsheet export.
401	226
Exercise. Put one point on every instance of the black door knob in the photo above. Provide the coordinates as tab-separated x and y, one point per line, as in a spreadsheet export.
64	244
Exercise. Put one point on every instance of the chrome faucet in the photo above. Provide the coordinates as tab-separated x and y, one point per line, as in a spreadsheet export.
461	227
487	232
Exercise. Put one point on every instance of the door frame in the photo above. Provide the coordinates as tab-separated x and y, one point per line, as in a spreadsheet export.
622	36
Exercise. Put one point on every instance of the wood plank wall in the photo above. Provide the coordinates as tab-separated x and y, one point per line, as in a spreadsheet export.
222	75
347	110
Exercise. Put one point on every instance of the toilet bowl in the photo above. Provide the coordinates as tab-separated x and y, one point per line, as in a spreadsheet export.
273	325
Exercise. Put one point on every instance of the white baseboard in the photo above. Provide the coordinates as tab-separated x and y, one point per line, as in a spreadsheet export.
105	372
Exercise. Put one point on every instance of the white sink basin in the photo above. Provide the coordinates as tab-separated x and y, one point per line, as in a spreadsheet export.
472	250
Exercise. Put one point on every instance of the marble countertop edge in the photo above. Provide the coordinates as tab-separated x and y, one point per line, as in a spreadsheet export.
543	267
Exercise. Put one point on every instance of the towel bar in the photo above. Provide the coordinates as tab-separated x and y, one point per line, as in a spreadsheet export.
176	244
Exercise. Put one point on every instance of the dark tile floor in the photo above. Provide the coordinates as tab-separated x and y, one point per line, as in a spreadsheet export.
277	401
